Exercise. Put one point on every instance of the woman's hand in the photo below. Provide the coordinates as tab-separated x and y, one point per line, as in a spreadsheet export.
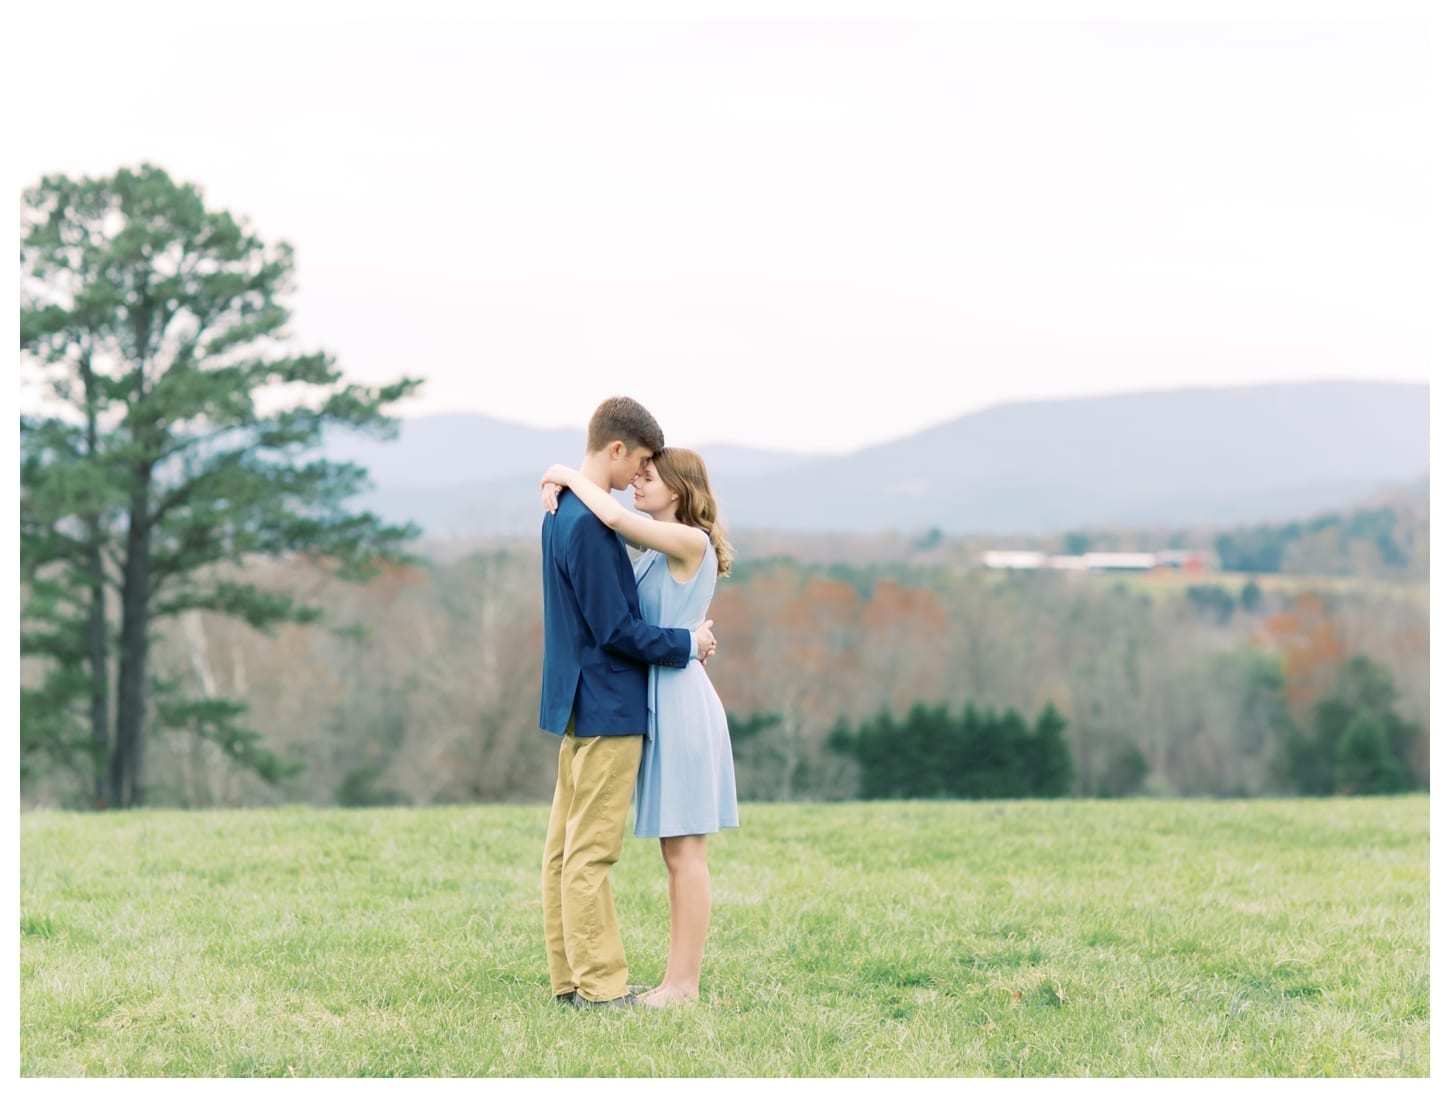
555	477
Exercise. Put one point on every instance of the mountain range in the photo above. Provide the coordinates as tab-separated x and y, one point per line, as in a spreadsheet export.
1220	456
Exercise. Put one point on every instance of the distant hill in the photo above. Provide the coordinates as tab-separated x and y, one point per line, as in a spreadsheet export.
464	475
468	448
1181	457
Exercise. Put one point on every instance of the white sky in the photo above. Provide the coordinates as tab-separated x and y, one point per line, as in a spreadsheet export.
809	235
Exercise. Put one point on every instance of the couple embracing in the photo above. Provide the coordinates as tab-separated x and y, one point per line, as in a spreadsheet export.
625	687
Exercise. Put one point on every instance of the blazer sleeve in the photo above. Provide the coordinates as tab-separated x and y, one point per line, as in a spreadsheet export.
590	559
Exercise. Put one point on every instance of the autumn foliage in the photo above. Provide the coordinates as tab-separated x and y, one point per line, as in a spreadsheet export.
840	681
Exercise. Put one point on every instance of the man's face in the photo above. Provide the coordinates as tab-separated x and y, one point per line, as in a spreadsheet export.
628	466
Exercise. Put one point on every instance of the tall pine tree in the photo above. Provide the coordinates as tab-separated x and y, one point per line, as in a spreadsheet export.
178	436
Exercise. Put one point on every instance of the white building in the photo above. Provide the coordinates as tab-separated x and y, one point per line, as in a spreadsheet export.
1090	562
1013	558
1120	562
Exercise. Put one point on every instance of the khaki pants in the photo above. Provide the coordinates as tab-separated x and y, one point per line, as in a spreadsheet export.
586	835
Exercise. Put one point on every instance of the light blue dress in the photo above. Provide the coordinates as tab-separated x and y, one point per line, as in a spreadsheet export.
686	783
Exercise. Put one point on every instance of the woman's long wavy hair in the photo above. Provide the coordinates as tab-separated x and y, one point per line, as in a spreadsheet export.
683	472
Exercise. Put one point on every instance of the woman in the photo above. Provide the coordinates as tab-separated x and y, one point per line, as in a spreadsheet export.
686	785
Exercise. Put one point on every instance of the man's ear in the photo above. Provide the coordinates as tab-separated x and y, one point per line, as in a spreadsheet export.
616	450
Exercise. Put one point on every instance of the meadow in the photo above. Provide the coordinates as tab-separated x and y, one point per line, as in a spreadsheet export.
921	939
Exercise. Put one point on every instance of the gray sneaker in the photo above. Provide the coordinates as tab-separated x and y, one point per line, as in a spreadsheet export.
624	1002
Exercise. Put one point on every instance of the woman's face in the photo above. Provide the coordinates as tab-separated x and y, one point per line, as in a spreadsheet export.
651	494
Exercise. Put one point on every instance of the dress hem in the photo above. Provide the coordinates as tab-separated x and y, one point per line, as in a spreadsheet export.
671	833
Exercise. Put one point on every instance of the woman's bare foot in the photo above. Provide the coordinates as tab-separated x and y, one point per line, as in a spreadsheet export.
662	997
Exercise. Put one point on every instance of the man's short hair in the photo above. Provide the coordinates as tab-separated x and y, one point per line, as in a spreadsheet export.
620	419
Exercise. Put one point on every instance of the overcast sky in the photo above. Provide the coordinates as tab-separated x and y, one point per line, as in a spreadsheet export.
808	235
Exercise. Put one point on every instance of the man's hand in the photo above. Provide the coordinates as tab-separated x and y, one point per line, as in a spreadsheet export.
705	641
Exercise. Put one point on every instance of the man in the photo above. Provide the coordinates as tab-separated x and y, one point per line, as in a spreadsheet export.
596	652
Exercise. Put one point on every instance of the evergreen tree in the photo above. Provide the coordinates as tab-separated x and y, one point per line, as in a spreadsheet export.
924	747
1251	597
1049	770
1318	765
1005	755
963	746
980	755
177	441
1363	762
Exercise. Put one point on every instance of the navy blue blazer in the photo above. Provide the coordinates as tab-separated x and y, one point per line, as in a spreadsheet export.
596	648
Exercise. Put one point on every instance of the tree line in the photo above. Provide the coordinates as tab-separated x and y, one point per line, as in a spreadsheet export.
1356	743
932	753
422	688
1364	541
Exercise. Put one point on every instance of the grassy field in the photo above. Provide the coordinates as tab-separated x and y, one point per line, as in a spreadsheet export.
1146	938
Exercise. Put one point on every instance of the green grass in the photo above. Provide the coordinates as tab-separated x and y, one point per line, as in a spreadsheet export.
1147	938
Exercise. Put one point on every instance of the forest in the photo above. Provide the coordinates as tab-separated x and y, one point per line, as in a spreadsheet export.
421	685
